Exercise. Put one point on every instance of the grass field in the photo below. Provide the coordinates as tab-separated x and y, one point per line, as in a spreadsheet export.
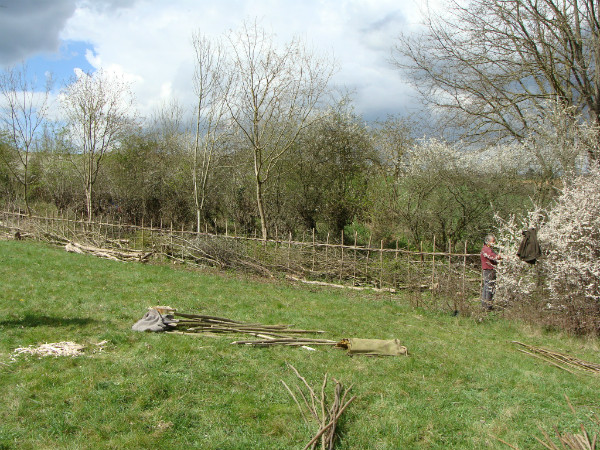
463	385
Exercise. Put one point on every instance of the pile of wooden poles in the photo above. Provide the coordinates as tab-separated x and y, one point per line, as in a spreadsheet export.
314	409
268	334
108	253
560	360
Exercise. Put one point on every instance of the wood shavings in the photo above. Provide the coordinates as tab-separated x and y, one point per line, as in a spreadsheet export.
53	349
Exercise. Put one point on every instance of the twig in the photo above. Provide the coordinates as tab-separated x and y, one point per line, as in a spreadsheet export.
296	400
330	424
325	417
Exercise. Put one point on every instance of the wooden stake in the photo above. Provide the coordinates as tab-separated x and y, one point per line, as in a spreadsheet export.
327	250
368	255
354	275
381	265
289	250
464	276
342	258
433	268
396	268
314	249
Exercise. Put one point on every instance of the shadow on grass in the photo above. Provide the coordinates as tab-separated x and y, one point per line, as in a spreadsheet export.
31	320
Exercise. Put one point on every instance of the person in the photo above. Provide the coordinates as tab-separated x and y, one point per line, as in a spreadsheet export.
489	261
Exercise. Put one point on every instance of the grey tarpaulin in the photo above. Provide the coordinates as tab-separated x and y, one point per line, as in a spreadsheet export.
154	321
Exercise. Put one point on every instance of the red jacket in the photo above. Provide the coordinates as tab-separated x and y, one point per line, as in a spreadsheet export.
489	259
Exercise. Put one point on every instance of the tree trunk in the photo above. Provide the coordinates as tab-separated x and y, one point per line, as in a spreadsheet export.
261	208
88	201
26	186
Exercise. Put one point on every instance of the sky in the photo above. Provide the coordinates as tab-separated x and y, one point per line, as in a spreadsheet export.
149	42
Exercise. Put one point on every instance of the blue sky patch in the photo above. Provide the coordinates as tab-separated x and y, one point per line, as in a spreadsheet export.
70	56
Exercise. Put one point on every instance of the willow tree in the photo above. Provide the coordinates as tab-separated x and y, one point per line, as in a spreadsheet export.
493	65
274	91
98	110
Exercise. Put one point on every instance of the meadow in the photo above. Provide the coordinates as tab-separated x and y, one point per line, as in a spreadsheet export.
464	384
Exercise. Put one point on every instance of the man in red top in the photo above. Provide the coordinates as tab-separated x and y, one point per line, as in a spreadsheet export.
489	260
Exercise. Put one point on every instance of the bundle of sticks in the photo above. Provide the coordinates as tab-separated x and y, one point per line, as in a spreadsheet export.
268	334
108	253
559	359
314	409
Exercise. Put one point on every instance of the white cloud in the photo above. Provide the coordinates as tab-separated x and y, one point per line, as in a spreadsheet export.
149	41
94	60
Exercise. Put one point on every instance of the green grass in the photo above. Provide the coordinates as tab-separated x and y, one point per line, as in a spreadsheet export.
463	383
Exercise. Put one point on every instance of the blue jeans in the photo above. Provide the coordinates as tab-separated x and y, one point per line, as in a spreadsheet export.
489	288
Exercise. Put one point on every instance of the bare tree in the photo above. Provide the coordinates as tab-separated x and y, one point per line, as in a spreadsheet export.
274	91
23	111
210	87
167	125
393	139
487	63
98	109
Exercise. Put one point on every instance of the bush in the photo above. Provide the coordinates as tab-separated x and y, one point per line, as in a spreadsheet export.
564	289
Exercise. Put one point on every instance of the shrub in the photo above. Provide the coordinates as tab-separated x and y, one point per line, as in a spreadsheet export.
563	289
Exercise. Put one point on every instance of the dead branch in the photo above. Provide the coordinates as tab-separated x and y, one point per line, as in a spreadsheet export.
325	417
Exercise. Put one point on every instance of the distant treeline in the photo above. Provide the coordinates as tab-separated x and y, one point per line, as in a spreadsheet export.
370	180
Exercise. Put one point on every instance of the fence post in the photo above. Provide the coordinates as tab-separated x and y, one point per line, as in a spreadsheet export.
433	268
289	250
327	251
314	250
342	257
450	273
422	268
151	232
464	275
354	274
381	266
368	256
409	263
182	244
395	280
106	229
